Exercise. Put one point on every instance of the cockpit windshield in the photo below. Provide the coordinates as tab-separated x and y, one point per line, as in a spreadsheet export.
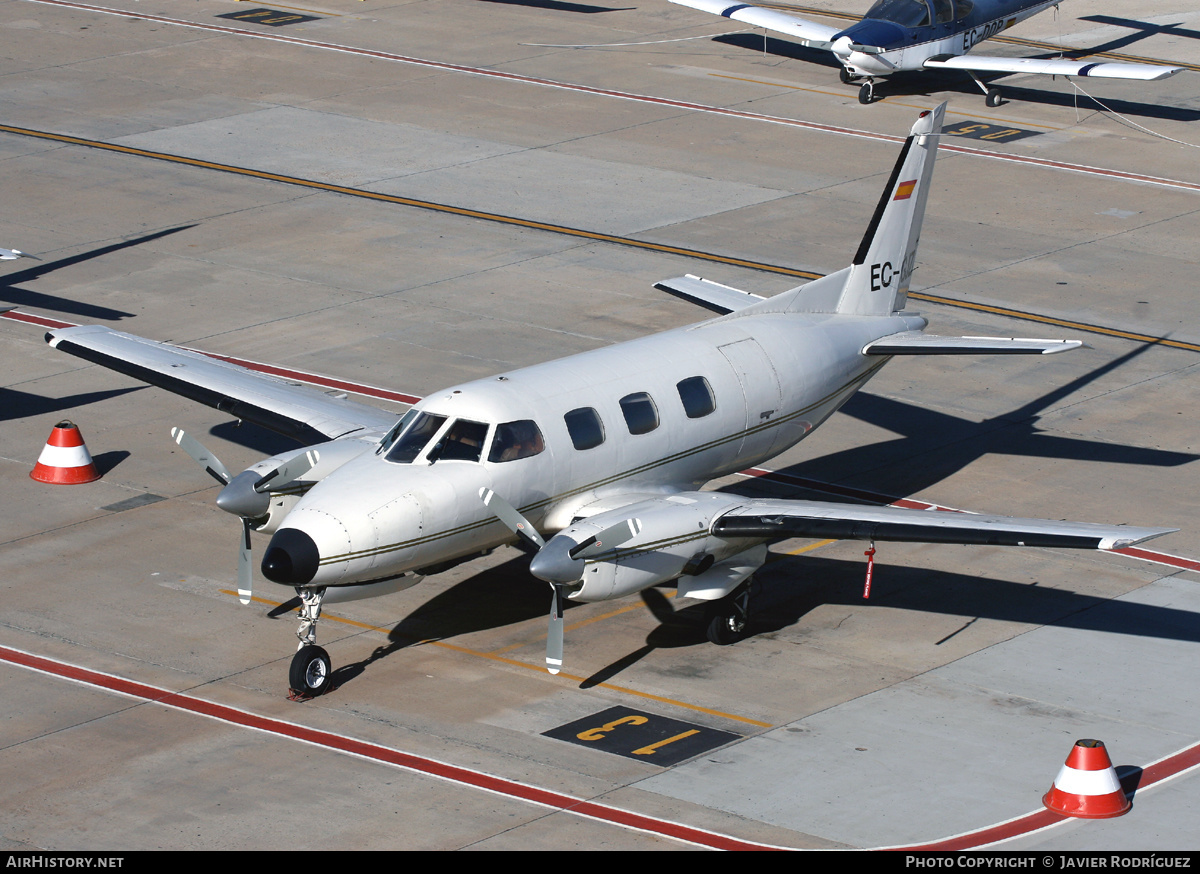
907	13
410	435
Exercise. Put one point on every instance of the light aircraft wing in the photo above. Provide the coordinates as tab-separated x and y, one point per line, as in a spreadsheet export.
917	343
711	295
1053	67
299	412
807	32
782	518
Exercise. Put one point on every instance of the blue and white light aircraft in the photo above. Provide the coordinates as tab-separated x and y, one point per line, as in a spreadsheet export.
910	35
595	462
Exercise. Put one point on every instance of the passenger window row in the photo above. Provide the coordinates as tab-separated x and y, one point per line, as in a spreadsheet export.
464	439
640	411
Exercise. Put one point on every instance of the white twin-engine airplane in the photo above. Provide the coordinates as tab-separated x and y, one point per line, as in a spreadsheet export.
603	453
909	35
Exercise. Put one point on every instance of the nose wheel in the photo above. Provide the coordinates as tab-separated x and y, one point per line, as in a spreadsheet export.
866	94
311	668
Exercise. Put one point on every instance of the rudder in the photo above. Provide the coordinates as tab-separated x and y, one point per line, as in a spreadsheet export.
877	284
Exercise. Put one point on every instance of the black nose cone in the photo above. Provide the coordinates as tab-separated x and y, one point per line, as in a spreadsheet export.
291	558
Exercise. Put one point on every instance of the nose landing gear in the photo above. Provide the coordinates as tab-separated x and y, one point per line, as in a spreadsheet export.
311	668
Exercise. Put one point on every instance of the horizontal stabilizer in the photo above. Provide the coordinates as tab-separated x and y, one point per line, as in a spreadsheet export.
296	411
778	519
916	343
807	32
1053	67
711	295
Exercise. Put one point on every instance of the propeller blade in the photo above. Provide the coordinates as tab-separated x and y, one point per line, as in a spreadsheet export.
610	538
292	469
508	514
554	635
245	573
202	456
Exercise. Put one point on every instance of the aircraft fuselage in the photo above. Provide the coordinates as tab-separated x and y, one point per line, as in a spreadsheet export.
772	376
952	29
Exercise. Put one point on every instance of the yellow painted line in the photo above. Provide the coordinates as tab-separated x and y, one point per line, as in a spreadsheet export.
591	235
810	547
541	669
392	198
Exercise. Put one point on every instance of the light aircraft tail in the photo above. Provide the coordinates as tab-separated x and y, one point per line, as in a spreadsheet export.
876	283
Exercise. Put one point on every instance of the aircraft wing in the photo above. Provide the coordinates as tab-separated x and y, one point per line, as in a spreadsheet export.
1052	67
711	295
296	411
917	343
773	518
807	32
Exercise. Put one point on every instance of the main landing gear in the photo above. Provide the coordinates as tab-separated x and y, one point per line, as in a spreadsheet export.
991	96
309	674
728	617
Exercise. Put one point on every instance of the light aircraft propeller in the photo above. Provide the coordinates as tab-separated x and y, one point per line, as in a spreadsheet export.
246	495
560	562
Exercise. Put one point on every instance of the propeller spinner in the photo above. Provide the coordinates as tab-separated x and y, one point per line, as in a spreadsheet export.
560	562
246	495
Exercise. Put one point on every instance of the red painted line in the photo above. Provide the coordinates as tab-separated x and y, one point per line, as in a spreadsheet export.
375	752
31	319
1157	772
624	95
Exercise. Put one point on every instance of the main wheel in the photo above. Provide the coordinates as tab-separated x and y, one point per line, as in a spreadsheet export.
992	98
866	94
309	674
725	628
727	616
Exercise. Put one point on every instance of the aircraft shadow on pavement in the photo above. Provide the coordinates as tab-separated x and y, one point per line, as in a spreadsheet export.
932	446
11	294
785	590
23	405
1142	30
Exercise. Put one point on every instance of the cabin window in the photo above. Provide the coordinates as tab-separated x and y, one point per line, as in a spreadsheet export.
463	442
906	13
944	11
411	439
640	413
515	440
963	8
585	428
697	397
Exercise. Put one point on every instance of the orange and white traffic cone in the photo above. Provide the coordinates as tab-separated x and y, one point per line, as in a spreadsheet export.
1087	786
65	460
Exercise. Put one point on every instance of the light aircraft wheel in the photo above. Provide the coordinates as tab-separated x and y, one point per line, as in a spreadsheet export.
309	674
992	98
866	94
846	76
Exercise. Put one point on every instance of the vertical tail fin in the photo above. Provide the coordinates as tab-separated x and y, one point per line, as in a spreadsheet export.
877	283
